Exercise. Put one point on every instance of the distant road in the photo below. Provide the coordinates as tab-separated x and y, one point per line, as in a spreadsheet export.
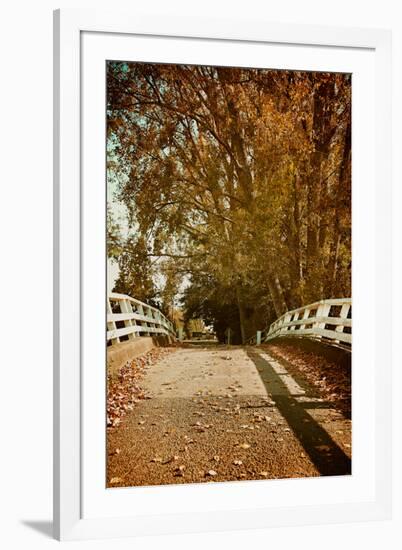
209	342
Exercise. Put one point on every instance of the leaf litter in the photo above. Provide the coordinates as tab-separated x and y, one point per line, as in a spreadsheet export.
124	390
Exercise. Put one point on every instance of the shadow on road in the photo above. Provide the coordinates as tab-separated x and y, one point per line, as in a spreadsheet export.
327	456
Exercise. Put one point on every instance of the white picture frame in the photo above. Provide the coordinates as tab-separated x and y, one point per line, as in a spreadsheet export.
80	509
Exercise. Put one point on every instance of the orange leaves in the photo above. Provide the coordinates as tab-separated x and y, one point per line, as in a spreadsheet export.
124	391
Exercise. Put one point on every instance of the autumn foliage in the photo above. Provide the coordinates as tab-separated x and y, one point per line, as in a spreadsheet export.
233	189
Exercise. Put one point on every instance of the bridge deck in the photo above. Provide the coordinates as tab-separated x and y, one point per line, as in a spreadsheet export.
235	412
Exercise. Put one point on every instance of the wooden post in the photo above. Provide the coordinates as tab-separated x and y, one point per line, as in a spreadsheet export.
151	314
286	319
296	317
143	323
111	325
322	311
343	315
305	316
125	307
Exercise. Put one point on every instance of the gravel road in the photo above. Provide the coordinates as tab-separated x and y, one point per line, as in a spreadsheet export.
226	413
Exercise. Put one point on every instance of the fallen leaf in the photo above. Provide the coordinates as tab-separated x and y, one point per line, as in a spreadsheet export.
211	473
324	448
116	480
171	459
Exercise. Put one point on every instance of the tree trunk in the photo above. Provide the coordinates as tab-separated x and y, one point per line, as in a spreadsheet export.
333	265
241	315
296	247
343	187
277	296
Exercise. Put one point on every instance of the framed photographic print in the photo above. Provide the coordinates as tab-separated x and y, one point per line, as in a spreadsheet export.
222	199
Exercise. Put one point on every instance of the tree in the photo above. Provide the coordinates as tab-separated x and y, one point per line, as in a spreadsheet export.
241	178
135	272
113	240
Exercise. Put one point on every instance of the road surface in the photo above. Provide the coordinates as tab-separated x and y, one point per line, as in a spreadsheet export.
226	413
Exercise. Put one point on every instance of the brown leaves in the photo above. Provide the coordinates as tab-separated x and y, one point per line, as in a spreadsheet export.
332	379
124	391
201	428
158	459
179	471
179	139
115	480
323	448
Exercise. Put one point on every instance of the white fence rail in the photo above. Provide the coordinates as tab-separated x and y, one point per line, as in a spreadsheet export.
328	319
137	318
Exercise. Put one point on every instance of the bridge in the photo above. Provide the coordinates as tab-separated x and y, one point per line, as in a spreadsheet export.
329	320
276	407
128	318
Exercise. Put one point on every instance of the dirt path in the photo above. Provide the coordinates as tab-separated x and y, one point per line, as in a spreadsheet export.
221	414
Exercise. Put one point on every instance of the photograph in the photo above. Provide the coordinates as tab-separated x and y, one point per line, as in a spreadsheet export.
229	274
195	196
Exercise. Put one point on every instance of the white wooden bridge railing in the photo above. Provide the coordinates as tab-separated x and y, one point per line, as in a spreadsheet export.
327	319
137	318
